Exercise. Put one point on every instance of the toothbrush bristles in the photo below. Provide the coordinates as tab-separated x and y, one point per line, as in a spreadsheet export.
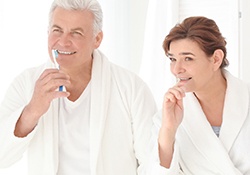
56	53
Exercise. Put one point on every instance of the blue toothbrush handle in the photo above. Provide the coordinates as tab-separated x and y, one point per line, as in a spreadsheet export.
55	55
60	88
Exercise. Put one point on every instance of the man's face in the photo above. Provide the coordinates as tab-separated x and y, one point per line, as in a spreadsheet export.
71	34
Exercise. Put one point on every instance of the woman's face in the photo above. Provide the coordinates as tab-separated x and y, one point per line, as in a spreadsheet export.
190	65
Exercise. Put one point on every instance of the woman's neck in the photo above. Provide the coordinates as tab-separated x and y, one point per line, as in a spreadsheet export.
212	101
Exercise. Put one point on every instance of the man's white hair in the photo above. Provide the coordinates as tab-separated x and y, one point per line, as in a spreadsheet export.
92	6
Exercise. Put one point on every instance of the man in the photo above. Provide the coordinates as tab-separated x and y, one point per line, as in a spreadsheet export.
98	125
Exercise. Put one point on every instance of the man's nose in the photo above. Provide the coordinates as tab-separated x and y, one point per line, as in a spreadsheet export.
65	40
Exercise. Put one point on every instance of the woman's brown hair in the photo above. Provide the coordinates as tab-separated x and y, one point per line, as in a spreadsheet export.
203	31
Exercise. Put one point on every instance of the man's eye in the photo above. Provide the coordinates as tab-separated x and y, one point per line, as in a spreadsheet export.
77	33
56	30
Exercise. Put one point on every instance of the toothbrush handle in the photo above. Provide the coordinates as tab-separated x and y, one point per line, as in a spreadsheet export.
60	88
55	55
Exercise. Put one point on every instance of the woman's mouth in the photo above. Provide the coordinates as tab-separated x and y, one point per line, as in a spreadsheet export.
183	79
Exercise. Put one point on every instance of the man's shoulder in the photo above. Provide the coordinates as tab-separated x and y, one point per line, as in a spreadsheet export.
34	71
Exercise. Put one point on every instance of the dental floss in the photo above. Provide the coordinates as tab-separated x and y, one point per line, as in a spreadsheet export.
55	56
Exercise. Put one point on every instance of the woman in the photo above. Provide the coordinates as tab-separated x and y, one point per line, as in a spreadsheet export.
204	126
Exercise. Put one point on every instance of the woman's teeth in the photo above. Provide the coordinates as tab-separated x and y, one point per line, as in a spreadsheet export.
182	79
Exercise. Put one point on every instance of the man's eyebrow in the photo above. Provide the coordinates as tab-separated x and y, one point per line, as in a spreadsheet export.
78	29
74	29
55	26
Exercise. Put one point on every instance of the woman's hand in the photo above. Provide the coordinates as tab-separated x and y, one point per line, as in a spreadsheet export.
172	110
172	115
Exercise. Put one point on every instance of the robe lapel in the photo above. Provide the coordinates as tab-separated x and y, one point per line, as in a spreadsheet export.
100	94
50	140
202	136
235	110
50	135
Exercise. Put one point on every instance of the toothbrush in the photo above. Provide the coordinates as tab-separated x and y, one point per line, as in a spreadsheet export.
55	56
178	80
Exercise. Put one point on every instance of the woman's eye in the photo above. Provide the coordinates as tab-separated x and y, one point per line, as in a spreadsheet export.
188	59
172	59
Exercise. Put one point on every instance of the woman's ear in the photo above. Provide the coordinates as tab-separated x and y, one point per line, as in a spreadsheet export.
218	57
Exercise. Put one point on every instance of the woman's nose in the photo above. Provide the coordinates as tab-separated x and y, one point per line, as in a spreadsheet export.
177	67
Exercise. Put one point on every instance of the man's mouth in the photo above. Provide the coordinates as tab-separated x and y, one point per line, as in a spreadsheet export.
65	52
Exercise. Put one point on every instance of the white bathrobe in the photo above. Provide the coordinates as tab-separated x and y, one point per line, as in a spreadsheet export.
121	114
198	151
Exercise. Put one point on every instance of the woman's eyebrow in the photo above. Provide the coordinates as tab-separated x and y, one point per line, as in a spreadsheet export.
186	53
169	54
182	53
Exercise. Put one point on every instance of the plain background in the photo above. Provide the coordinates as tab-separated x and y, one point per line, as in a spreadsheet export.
23	43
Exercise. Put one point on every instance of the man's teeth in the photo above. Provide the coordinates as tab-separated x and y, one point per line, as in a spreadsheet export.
65	53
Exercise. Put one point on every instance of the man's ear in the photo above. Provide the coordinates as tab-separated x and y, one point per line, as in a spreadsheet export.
217	58
98	39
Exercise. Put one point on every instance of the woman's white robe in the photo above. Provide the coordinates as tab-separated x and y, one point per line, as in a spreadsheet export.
198	150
